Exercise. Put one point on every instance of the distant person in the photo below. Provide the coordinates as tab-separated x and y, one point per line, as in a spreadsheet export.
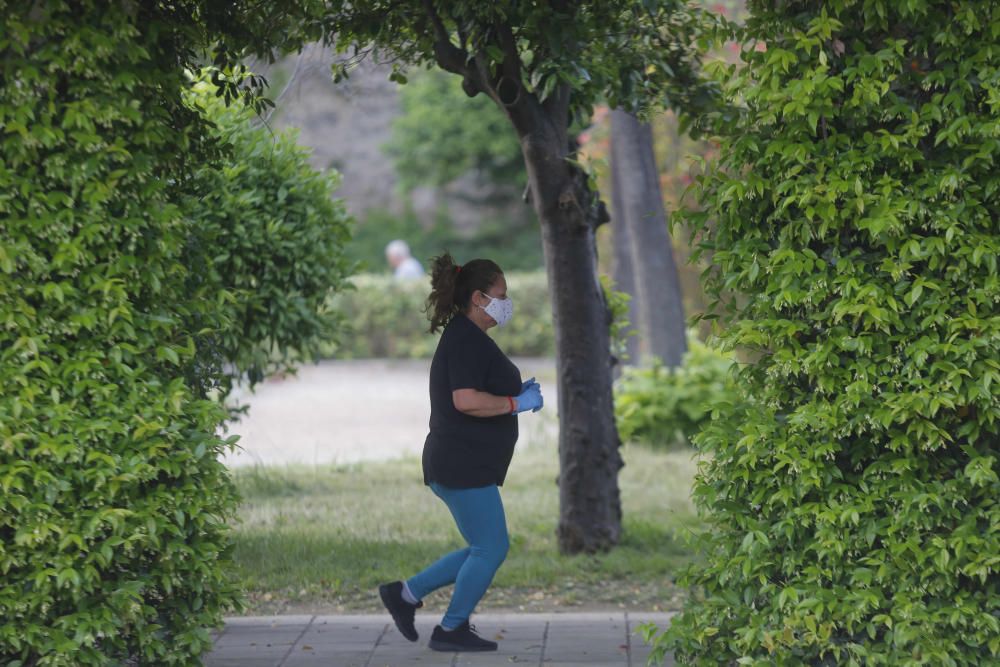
404	266
476	394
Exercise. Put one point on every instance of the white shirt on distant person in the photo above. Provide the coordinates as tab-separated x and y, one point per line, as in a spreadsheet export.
409	269
404	266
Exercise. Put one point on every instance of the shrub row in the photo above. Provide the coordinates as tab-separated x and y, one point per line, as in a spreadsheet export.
384	318
666	407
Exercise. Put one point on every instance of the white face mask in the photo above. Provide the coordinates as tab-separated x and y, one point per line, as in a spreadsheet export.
500	310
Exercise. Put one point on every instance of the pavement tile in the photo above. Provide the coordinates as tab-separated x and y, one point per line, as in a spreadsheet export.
317	659
259	645
365	635
211	661
431	660
493	660
255	633
225	658
571	639
407	654
588	657
268	621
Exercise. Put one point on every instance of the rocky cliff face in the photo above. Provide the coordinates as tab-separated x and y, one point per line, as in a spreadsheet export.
344	124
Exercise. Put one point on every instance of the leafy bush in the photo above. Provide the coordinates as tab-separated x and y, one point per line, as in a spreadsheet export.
853	507
385	318
441	134
271	237
113	537
620	326
668	406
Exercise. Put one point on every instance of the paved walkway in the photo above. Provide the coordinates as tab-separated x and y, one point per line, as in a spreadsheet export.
549	640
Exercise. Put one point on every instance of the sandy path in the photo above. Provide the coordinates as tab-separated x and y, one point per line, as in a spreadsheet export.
347	411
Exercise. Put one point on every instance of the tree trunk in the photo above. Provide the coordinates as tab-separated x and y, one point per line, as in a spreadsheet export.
623	272
569	212
661	310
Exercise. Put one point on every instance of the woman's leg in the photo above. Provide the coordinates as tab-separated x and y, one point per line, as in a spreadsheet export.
480	518
439	574
442	572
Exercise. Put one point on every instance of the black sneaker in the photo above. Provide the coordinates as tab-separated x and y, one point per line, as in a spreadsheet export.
462	638
402	611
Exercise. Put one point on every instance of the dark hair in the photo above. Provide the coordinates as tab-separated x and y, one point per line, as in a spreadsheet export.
452	286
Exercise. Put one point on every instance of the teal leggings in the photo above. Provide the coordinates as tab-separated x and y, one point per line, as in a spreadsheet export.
480	518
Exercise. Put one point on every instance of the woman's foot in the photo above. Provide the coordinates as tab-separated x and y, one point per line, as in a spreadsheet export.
402	612
462	638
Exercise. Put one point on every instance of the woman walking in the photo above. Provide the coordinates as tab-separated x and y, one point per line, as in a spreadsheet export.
476	393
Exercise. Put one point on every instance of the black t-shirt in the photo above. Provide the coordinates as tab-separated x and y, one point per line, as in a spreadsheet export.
461	451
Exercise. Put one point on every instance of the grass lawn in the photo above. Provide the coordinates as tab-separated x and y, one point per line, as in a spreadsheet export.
320	539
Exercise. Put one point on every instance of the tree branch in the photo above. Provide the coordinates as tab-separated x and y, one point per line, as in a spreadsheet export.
448	56
522	107
294	80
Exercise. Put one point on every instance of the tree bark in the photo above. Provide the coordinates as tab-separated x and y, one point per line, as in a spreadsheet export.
661	310
622	270
569	212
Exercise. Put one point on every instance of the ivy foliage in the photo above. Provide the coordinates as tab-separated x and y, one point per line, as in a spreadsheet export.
853	506
113	502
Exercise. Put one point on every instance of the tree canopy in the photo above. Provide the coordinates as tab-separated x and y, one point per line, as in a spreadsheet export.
637	55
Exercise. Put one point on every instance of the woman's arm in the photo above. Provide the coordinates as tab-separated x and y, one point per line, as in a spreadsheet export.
481	404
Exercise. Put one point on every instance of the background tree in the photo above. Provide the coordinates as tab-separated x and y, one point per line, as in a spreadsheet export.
642	221
623	275
545	65
461	147
853	505
113	543
443	134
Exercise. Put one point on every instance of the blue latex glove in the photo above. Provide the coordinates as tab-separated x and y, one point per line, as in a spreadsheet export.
526	384
530	398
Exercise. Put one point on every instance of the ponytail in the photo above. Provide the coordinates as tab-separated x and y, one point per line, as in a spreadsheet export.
452	287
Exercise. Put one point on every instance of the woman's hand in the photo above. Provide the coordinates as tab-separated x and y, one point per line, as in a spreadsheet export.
530	398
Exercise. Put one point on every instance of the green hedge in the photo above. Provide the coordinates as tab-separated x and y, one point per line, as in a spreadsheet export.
666	407
113	501
853	508
269	240
385	318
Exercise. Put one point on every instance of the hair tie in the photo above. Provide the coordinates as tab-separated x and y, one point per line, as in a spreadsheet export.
458	268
